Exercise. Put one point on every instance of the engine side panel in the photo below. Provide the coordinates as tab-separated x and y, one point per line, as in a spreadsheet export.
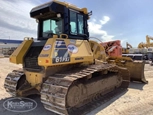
59	51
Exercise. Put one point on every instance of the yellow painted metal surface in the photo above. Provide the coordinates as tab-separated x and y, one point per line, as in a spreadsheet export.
34	78
84	51
44	58
98	51
77	50
18	54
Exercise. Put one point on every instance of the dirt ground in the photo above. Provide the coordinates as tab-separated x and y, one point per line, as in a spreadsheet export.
138	100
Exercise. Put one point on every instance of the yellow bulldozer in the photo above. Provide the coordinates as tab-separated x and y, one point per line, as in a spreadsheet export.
63	66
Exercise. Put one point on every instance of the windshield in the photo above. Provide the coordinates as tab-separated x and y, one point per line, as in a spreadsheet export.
51	27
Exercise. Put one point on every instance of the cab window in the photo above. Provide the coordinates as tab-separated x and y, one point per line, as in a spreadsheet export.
73	22
51	27
80	24
76	23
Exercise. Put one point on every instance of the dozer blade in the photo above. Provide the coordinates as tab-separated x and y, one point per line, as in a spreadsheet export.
136	69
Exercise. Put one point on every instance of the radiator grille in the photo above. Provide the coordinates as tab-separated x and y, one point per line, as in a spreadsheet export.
31	58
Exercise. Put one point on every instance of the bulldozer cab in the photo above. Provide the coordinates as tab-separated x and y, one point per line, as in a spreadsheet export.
56	18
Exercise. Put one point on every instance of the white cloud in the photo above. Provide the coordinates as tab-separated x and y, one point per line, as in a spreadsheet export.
15	19
123	42
95	29
104	20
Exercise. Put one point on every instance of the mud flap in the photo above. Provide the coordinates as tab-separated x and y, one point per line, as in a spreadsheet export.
136	69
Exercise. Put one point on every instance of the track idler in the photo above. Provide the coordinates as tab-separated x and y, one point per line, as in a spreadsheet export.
13	81
16	84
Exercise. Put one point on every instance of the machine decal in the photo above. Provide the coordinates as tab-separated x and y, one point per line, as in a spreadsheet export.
61	53
43	55
79	58
60	44
72	48
62	59
47	47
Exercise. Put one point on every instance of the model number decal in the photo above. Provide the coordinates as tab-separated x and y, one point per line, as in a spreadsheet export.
62	59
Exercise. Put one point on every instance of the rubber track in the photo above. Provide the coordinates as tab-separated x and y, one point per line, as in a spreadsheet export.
55	88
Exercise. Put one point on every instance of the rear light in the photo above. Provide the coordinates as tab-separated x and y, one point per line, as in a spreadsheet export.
47	61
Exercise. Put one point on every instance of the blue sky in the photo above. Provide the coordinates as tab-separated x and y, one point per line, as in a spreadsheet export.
125	20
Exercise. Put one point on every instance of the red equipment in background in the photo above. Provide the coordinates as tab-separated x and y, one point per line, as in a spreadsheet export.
113	48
